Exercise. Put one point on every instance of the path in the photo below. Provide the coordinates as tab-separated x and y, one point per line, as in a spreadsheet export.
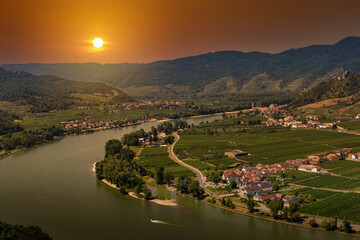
202	179
326	189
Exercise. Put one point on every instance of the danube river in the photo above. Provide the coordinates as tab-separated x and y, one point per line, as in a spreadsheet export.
52	186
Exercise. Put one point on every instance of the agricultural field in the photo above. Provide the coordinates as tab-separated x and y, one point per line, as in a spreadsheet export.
339	205
327	181
352	126
199	165
265	145
152	157
344	168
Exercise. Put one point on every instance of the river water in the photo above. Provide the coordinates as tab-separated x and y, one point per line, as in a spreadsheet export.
52	186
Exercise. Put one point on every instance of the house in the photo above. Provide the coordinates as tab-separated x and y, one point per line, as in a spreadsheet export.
265	185
289	199
275	197
354	156
312	117
251	190
258	195
288	119
332	157
309	168
226	174
235	153
314	160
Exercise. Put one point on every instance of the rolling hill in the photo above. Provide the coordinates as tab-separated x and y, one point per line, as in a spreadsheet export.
339	97
217	73
45	93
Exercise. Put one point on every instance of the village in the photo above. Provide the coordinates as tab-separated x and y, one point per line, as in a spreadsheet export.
254	180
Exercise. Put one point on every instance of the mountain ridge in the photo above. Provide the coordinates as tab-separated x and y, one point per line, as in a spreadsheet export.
290	70
45	93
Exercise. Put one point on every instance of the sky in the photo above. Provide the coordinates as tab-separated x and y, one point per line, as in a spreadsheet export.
55	31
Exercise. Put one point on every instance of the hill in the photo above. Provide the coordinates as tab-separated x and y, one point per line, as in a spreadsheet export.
219	72
336	98
45	93
347	85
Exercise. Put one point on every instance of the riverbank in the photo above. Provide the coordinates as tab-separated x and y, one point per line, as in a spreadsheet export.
241	210
165	202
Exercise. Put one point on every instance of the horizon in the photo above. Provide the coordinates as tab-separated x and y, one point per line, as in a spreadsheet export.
142	31
204	53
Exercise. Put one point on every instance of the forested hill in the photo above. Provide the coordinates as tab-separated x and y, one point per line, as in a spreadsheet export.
347	85
45	93
219	72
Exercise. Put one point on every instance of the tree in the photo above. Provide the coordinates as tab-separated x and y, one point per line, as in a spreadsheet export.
346	227
147	194
159	174
294	215
195	189
112	147
154	131
275	187
168	177
313	223
138	189
275	207
169	139
183	184
250	203
229	203
233	184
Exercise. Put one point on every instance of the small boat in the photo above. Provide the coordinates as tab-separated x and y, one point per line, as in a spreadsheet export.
152	220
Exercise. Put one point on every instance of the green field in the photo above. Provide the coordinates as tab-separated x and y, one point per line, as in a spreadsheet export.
345	168
339	205
266	145
353	126
199	165
152	157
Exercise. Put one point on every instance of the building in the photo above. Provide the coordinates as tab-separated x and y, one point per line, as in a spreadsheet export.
235	153
333	157
309	168
271	197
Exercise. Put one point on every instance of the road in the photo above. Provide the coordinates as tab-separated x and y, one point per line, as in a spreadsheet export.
201	178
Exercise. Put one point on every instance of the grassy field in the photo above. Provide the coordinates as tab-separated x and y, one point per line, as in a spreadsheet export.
153	157
266	145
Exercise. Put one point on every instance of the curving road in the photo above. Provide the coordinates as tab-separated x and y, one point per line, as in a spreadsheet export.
201	178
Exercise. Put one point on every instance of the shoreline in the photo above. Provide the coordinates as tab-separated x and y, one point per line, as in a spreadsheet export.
166	202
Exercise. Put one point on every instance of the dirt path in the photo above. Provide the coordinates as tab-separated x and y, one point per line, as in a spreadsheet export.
326	189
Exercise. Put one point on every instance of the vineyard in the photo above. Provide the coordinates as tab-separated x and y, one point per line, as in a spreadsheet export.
152	157
340	205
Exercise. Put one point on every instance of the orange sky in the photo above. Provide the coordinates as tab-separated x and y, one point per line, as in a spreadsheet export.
52	31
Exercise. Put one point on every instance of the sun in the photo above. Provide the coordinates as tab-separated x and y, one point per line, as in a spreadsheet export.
98	42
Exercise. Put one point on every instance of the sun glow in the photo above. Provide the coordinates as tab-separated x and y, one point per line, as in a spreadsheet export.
98	42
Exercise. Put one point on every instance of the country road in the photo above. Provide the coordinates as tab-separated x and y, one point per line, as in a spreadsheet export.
201	178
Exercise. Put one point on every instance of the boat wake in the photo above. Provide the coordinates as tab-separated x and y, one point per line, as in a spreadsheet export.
165	223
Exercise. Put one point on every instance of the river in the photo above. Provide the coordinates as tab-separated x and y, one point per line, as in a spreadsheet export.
52	186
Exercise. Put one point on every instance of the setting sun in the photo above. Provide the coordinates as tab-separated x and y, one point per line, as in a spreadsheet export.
98	42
